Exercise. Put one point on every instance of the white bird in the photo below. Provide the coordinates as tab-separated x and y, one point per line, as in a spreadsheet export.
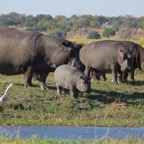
4	95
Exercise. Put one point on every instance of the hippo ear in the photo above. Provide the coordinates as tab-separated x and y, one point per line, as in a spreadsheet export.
67	44
64	43
64	46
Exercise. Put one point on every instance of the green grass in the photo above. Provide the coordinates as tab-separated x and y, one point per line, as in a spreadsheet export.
38	141
107	105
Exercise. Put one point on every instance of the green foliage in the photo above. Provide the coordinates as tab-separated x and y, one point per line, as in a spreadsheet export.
94	35
36	140
100	20
11	19
108	32
46	23
57	32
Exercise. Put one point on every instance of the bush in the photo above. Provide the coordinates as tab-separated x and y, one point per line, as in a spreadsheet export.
108	32
58	33
94	35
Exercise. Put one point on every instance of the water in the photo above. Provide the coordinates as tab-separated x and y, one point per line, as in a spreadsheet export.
71	132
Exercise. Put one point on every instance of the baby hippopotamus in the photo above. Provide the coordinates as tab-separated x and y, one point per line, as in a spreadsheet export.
71	79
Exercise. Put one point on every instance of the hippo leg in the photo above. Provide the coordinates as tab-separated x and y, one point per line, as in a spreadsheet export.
103	76
43	76
28	77
95	74
74	92
66	91
114	74
87	71
132	76
59	90
125	76
36	76
119	79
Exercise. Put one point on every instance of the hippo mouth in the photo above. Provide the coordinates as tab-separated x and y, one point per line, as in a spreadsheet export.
85	89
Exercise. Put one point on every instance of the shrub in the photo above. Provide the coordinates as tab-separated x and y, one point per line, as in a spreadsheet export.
108	32
94	35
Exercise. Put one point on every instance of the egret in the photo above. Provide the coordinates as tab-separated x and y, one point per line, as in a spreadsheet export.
4	95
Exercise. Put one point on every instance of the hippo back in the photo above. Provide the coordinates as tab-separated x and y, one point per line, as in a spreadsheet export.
57	51
17	49
101	55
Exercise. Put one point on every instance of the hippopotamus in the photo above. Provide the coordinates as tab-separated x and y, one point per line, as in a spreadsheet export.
24	52
137	53
73	62
71	79
137	59
106	56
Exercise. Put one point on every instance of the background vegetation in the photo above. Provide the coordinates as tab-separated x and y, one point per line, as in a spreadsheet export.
121	27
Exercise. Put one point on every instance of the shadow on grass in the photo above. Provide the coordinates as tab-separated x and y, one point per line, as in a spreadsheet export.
107	97
135	83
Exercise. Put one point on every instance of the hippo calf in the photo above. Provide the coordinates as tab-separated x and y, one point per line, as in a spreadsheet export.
71	79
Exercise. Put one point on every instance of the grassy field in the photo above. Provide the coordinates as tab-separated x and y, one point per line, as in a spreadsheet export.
34	141
106	105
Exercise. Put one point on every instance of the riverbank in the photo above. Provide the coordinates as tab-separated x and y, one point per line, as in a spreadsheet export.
107	105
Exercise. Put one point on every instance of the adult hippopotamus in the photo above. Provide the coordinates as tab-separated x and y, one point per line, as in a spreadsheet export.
105	56
72	61
23	52
137	53
71	78
137	59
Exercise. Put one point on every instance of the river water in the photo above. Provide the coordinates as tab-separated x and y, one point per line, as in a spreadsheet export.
71	132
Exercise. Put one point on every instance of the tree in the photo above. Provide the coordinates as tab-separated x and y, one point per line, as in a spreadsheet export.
100	20
83	22
108	32
12	19
58	33
94	35
43	17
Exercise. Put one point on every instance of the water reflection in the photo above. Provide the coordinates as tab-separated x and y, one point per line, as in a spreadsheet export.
71	132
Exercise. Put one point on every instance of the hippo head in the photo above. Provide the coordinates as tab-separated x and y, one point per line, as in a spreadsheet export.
124	59
83	84
74	58
75	62
67	54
